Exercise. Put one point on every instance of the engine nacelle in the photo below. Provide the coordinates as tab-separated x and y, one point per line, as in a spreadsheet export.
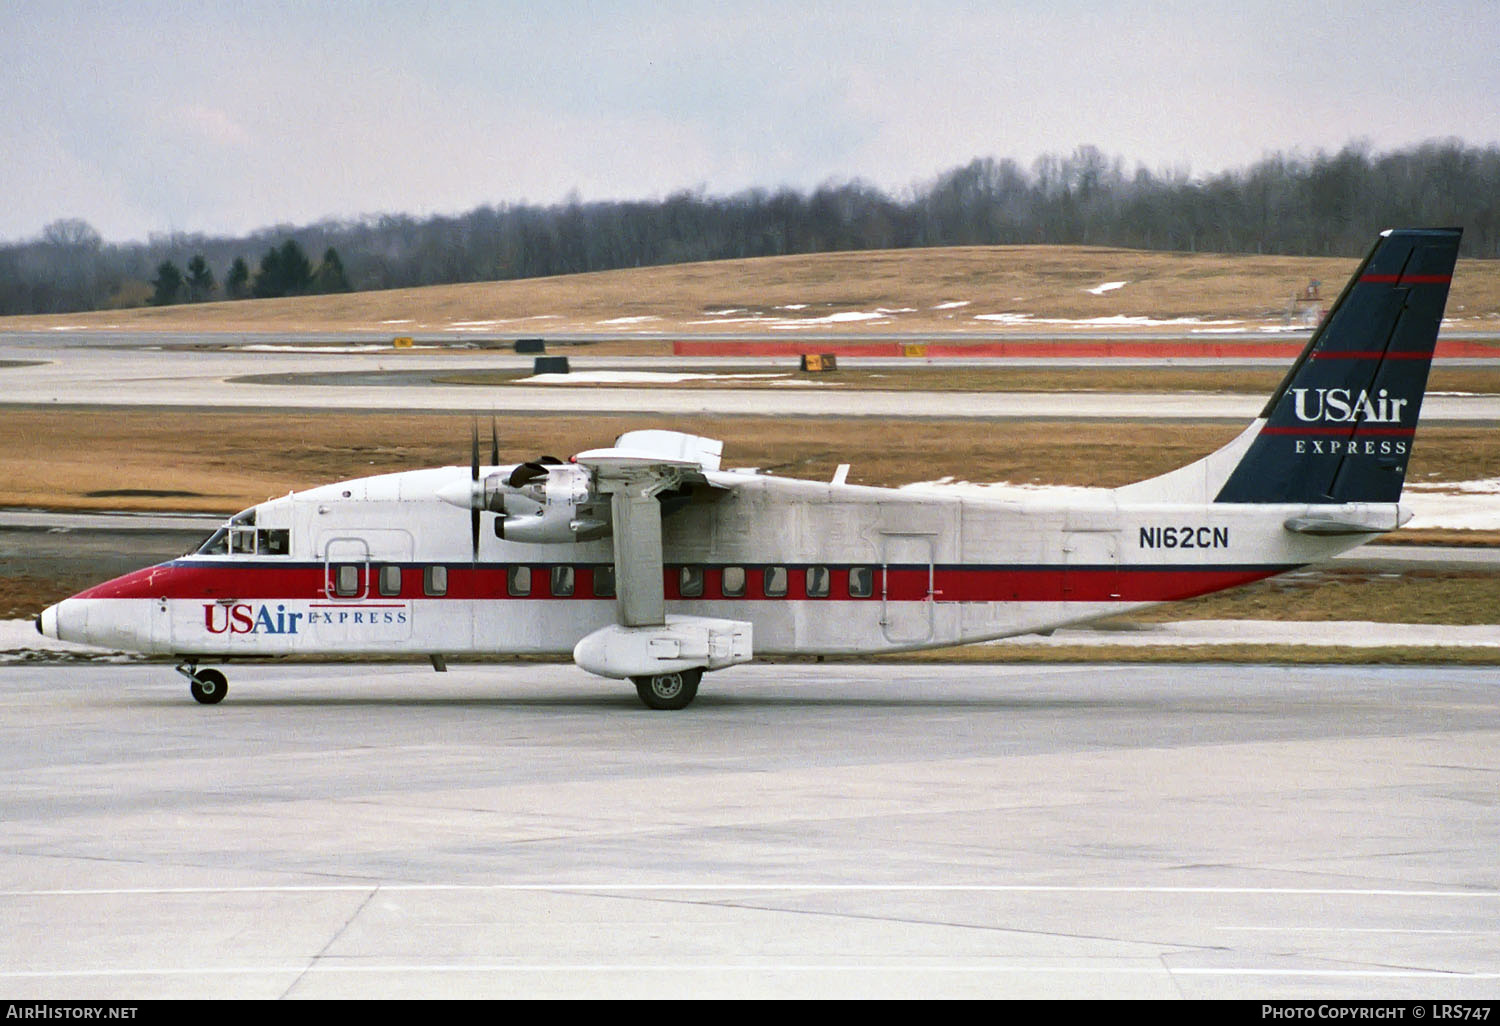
552	505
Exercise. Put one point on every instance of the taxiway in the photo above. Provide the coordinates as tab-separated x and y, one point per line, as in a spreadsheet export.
830	831
46	371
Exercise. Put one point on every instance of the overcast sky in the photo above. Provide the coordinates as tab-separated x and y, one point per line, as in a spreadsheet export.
214	117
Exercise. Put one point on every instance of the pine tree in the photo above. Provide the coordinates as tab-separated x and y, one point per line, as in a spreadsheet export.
296	269
167	284
237	283
284	271
329	276
200	280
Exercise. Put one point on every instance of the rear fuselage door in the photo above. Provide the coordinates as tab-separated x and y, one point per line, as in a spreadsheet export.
1091	566
906	587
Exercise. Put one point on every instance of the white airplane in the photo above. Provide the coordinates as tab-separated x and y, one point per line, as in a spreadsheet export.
647	561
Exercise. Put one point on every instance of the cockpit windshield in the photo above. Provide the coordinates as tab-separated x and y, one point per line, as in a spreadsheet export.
240	537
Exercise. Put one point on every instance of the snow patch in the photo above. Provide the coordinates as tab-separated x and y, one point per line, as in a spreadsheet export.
1114	320
271	347
847	317
1109	286
1454	505
474	325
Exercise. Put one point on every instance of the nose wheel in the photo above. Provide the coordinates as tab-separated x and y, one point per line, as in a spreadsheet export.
208	687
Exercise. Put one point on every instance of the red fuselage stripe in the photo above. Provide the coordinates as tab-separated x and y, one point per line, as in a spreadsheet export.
302	583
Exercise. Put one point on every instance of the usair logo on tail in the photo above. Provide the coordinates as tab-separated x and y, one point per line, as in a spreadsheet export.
1335	406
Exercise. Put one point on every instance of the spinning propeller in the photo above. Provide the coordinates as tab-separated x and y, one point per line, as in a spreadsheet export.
477	503
543	500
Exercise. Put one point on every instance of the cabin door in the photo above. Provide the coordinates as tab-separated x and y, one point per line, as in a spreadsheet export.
368	587
906	594
1091	566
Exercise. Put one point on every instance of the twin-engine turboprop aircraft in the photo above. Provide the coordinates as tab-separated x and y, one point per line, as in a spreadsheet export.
648	561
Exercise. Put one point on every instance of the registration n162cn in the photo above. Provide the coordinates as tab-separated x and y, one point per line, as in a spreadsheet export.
647	561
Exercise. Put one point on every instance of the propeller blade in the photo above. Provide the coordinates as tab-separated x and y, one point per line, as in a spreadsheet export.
525	474
494	444
474	500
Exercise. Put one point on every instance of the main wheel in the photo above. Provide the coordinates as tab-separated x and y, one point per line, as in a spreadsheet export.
209	686
668	690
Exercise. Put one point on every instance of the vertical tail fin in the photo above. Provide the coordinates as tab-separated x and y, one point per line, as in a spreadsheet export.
1339	428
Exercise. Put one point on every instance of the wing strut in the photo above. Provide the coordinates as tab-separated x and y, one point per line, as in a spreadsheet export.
639	588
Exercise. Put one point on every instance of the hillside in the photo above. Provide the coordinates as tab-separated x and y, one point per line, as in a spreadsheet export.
988	289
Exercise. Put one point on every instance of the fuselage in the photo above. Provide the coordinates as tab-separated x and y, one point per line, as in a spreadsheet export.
384	566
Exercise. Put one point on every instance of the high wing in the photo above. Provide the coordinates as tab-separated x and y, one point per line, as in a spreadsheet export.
664	655
634	473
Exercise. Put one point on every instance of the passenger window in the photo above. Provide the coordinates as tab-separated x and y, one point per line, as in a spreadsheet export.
346	580
435	581
518	581
775	581
562	581
817	582
390	580
274	541
733	583
861	582
690	581
604	582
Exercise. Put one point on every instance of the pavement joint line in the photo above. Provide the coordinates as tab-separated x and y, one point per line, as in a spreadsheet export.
762	888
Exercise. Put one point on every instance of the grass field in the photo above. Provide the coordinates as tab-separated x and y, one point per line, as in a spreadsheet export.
85	459
916	287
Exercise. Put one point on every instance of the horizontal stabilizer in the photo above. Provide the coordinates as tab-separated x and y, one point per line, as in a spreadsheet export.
1373	520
